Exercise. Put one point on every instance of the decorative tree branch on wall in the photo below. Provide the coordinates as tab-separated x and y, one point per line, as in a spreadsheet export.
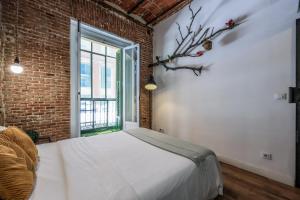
189	42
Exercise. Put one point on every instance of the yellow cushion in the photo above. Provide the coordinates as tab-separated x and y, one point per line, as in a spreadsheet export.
23	140
16	180
18	151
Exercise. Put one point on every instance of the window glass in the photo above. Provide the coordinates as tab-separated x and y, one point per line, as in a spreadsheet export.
111	77
112	51
108	78
130	85
98	48
85	75
98	76
86	44
112	110
103	77
86	115
100	114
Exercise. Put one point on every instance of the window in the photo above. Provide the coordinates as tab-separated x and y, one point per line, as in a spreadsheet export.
98	69
98	85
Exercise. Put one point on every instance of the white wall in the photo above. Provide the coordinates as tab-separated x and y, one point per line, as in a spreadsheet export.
231	107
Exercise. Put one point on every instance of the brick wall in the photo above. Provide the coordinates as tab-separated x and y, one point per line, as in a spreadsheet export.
39	98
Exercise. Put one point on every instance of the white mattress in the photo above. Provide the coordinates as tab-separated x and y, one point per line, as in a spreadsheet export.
119	166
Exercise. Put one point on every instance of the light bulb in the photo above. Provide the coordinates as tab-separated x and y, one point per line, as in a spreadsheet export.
150	86
16	67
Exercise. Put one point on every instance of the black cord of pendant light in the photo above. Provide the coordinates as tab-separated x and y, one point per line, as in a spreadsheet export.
72	8
17	31
16	67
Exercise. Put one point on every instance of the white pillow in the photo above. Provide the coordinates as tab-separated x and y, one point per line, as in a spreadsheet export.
2	128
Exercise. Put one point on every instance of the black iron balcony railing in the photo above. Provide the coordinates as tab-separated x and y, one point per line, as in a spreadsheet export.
98	114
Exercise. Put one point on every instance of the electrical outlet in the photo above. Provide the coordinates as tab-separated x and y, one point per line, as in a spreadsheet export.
161	130
280	97
267	156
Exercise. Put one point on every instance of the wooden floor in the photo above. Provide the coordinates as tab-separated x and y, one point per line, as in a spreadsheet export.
240	184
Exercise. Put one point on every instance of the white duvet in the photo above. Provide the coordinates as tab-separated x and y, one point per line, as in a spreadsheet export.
119	166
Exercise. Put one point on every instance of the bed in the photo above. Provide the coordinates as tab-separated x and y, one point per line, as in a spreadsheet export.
121	166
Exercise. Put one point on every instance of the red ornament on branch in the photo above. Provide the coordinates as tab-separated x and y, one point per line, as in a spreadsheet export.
230	23
200	53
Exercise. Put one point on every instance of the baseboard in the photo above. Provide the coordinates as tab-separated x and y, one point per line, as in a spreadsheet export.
288	180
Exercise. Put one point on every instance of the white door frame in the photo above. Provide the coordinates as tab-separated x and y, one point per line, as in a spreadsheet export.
75	78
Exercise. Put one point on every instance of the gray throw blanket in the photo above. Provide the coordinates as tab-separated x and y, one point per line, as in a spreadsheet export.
193	152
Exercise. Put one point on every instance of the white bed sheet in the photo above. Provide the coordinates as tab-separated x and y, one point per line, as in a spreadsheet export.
119	166
50	184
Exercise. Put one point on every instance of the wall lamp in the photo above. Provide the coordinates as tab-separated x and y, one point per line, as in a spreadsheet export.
151	84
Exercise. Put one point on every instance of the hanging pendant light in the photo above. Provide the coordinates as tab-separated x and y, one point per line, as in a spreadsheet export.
151	84
16	67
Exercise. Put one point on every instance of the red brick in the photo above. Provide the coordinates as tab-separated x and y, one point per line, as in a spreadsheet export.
39	98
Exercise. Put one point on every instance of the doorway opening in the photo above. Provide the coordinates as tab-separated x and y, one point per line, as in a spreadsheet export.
100	91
